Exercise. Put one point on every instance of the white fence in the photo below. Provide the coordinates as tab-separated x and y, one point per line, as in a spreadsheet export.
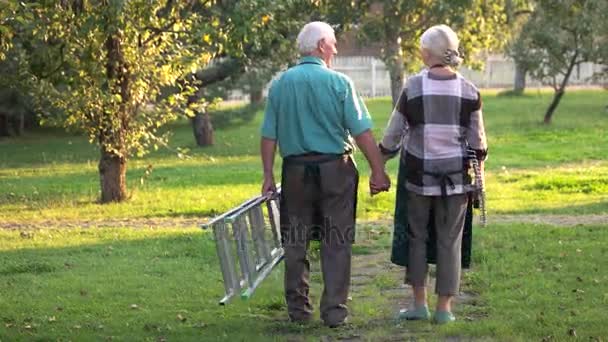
371	77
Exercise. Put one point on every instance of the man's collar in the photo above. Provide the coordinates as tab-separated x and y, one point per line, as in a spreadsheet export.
312	60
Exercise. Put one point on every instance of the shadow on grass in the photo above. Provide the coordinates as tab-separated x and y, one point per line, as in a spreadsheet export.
51	187
45	145
142	285
510	93
162	287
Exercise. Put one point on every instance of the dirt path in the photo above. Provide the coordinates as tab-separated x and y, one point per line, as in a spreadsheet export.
367	271
180	222
556	220
136	223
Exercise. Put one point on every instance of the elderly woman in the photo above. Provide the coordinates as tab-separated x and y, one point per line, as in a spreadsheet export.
437	118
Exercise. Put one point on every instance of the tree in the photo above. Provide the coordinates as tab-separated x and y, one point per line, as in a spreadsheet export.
262	42
8	10
24	60
116	57
518	13
15	83
398	24
560	36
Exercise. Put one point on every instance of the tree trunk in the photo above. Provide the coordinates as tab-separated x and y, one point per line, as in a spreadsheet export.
256	96
4	125
113	177
556	98
397	75
520	78
203	129
20	124
393	58
559	92
113	165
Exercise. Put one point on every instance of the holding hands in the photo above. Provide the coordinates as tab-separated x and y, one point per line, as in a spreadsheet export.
379	181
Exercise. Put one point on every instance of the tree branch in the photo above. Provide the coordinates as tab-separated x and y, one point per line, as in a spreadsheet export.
219	71
522	12
157	31
47	75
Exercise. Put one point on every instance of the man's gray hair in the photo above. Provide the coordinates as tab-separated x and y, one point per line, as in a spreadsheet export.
311	34
442	42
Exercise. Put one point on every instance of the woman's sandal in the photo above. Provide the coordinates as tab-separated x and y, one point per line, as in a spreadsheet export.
419	313
443	317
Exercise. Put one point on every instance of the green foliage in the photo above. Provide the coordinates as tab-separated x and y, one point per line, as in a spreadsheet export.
480	25
8	11
269	40
110	60
560	35
17	85
120	70
118	56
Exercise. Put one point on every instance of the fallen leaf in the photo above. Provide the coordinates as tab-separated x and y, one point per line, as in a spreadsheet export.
151	327
26	235
181	318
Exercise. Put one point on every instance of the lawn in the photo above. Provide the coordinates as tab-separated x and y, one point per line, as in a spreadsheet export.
151	274
47	177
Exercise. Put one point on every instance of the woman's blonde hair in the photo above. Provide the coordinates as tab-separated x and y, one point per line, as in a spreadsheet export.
442	43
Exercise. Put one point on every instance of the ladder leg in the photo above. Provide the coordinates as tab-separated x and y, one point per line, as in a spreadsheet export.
224	252
256	220
243	249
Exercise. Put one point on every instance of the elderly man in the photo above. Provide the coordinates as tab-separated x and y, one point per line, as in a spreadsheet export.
311	112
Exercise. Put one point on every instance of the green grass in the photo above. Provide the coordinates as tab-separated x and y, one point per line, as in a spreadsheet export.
53	176
538	282
530	282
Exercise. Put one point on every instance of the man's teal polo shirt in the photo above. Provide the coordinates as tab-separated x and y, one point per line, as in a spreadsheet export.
312	108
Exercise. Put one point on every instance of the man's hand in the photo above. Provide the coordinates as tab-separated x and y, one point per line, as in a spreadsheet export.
378	182
269	186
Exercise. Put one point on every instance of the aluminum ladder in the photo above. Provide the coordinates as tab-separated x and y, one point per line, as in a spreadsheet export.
253	235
